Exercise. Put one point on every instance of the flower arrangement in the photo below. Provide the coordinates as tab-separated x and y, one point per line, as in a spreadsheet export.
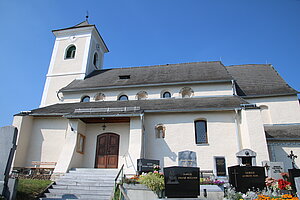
282	197
208	181
279	184
156	168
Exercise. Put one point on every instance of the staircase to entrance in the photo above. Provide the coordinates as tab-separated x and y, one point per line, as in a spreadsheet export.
83	183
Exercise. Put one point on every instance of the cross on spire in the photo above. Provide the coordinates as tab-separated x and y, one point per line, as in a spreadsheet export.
87	16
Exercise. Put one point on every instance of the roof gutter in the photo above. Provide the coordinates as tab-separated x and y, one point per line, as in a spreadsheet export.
192	110
144	85
281	139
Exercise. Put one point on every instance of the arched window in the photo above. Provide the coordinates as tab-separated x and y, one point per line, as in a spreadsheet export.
99	97
85	99
123	98
166	95
95	61
160	131
142	95
70	52
186	92
201	131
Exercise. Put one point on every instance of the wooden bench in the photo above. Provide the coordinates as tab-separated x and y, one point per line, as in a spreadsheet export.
40	169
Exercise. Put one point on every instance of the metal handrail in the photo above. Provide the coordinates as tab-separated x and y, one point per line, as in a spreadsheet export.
122	191
116	179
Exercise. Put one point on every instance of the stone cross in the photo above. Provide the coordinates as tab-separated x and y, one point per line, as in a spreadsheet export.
292	156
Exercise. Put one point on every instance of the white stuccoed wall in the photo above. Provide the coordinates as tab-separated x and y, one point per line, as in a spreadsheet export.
154	92
253	134
24	125
180	136
282	110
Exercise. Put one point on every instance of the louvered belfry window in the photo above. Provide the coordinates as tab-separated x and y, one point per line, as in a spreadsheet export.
201	131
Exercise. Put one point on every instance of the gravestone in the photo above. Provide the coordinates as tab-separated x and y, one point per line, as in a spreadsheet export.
8	138
220	166
146	165
273	169
243	178
293	173
182	182
187	159
297	185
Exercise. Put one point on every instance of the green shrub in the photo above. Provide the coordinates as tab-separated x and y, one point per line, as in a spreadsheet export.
154	181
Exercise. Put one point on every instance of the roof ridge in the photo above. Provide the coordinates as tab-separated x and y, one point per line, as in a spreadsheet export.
247	65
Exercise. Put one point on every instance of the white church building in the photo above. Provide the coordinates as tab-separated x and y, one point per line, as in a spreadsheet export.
103	118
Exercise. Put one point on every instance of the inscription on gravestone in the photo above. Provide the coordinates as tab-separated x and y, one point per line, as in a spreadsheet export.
220	166
244	178
187	159
146	165
273	169
182	182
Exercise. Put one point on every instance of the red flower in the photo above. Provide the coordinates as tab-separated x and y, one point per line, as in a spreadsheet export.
282	184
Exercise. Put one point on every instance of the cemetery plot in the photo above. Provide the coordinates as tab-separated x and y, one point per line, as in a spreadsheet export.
182	182
243	178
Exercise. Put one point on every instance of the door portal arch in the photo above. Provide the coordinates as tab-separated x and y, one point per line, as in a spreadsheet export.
107	150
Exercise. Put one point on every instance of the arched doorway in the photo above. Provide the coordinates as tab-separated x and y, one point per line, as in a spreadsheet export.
107	150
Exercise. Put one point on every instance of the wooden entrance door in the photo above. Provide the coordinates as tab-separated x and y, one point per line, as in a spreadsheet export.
107	152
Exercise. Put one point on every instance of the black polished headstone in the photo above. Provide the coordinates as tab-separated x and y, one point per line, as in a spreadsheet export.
245	178
187	159
292	174
182	182
146	165
220	166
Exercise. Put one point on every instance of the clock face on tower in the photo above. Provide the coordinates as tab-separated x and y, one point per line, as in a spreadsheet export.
73	38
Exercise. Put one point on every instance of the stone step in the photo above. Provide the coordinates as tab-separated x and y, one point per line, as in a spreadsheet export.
76	196
87	177
94	170
94	192
82	187
83	182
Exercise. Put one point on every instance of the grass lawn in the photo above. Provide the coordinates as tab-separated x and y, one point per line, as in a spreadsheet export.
28	189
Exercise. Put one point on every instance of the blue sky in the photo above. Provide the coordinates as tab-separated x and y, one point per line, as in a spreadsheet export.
145	32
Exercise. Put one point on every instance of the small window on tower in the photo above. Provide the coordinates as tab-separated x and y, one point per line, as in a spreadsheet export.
95	61
70	53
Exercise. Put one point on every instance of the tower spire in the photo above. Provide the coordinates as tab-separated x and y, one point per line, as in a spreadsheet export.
87	16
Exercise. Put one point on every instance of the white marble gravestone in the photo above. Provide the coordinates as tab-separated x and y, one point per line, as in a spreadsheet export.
8	138
297	185
273	169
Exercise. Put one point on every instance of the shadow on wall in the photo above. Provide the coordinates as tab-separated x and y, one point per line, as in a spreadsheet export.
281	155
165	152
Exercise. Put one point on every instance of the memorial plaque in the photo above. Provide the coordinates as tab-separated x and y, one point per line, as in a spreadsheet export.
244	178
187	159
182	182
292	174
220	166
273	169
146	165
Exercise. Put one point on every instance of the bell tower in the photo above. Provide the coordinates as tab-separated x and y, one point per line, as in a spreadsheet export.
78	51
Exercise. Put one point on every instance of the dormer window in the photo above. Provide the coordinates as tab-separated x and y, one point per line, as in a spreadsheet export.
70	52
166	95
123	98
95	61
124	77
85	99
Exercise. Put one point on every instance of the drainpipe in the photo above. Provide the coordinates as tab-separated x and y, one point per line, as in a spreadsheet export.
236	120
143	136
